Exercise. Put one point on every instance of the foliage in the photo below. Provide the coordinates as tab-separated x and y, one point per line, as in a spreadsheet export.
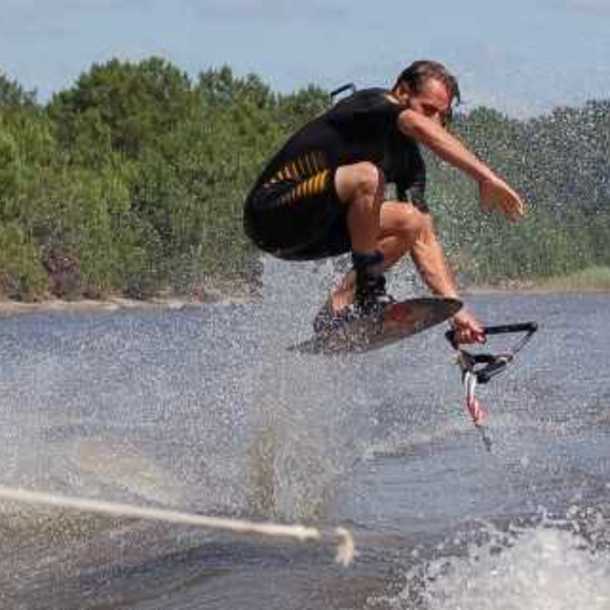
137	103
13	95
560	164
132	181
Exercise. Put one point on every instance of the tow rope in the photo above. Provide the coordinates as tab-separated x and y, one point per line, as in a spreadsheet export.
480	368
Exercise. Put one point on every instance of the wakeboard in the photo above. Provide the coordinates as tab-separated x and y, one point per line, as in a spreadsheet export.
397	321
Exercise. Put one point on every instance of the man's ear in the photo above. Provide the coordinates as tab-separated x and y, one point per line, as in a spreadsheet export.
403	91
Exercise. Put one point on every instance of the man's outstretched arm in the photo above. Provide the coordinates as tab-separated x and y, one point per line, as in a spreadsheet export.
431	264
494	192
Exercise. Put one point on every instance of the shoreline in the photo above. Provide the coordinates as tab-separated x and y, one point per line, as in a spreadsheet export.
530	290
591	280
9	308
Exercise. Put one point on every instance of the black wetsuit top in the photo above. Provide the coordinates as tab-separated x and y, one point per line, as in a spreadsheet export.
298	181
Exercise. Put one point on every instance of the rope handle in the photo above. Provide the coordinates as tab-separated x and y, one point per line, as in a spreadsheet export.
493	364
522	327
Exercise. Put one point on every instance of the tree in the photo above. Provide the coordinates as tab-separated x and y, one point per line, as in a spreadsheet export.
298	108
218	88
135	102
12	94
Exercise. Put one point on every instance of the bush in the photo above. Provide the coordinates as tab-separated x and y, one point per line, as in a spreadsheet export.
22	276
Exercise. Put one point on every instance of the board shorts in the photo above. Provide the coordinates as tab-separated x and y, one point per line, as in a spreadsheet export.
298	218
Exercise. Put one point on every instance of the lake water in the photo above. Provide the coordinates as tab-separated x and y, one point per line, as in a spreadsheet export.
204	410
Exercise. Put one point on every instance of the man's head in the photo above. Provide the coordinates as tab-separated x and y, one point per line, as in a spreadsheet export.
429	88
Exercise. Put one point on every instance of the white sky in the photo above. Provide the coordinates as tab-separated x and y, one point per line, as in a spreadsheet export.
520	56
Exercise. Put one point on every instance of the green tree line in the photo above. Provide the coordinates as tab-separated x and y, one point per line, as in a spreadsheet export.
132	182
560	163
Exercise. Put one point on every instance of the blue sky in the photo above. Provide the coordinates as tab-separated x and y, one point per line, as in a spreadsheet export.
520	56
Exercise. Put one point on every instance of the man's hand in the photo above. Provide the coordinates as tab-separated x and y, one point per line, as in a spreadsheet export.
495	194
467	328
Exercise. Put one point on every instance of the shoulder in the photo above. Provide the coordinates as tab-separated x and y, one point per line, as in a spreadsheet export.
374	100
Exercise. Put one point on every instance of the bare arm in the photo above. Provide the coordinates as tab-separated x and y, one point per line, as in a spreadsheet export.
429	259
441	142
494	192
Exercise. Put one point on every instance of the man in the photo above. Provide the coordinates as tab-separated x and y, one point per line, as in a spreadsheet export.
322	194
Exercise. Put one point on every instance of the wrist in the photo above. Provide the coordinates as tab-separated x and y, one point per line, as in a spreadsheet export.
486	176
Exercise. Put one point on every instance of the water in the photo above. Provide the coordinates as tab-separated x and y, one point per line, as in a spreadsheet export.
203	410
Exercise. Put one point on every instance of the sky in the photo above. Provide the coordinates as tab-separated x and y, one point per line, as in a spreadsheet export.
522	57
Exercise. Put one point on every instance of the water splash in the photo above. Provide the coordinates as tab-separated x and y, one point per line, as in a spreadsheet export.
554	565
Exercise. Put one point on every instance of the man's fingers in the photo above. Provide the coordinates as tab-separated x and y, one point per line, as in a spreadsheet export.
470	334
501	197
516	204
479	336
512	207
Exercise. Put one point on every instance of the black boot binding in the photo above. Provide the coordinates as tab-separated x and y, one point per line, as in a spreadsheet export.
371	297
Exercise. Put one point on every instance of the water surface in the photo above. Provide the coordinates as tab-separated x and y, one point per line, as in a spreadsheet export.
204	410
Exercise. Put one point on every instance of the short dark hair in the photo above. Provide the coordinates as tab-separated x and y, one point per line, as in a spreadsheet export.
420	71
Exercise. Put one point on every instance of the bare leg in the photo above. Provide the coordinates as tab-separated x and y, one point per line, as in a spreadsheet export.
430	261
360	186
405	229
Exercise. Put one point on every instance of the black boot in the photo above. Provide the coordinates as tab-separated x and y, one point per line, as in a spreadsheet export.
371	295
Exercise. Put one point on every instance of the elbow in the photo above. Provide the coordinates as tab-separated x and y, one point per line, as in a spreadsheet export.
419	127
410	124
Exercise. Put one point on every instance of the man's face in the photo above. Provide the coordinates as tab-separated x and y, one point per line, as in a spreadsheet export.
433	101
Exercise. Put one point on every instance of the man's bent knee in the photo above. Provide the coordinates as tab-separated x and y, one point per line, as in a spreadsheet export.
425	223
359	180
404	219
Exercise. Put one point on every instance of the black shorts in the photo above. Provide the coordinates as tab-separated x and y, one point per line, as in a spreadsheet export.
298	219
